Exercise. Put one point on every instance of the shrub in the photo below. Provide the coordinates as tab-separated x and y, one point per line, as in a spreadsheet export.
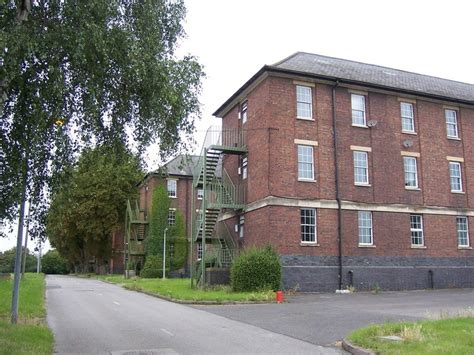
153	267
180	244
53	263
256	270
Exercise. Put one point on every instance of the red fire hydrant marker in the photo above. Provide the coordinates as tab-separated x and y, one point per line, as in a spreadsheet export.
279	296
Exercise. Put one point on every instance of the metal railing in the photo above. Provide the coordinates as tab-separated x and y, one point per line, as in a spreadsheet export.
217	136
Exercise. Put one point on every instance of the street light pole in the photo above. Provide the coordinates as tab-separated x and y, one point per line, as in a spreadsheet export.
164	252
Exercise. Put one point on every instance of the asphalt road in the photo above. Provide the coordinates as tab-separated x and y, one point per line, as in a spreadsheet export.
324	319
92	317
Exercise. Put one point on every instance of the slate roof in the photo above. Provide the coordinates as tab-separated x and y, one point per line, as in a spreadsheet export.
182	165
363	74
375	74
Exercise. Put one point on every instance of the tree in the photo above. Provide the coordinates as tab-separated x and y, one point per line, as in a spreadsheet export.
75	72
53	263
7	261
86	211
95	71
160	204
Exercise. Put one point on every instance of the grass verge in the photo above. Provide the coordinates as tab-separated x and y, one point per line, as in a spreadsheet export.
444	336
180	289
30	335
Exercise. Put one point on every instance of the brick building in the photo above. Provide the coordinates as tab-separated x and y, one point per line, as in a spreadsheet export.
357	174
177	176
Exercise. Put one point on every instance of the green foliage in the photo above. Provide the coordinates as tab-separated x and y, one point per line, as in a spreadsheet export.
158	218
7	261
53	263
89	72
86	210
153	267
256	269
180	243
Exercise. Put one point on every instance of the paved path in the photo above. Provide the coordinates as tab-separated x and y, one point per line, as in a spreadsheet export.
92	317
324	319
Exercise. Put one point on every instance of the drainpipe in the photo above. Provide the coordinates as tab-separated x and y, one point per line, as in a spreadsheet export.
336	175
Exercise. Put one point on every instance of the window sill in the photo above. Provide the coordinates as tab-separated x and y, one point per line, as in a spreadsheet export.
362	185
366	246
360	126
454	138
409	132
458	192
412	188
418	247
305	118
304	180
172	196
464	248
307	244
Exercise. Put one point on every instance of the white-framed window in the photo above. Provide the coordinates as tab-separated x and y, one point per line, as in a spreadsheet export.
199	250
365	228
304	102
411	172
455	176
172	188
451	123
358	110
305	162
244	168
243	112
308	225
241	226
200	194
408	118
361	168
462	229
171	216
416	229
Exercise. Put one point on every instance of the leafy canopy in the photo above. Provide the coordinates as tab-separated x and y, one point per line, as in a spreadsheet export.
91	206
76	73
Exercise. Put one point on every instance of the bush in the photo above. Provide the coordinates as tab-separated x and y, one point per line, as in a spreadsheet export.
153	267
256	270
53	263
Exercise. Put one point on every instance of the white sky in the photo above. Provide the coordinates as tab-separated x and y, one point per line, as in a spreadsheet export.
234	39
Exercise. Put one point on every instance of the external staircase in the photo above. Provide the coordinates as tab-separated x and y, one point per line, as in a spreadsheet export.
219	193
136	226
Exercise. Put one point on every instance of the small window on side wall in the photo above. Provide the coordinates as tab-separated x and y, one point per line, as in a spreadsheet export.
358	110
408	117
243	112
304	102
200	194
172	188
451	123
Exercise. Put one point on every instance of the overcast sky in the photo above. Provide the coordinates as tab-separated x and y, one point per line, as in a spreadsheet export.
234	39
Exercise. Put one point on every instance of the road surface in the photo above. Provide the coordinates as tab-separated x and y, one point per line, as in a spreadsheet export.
92	317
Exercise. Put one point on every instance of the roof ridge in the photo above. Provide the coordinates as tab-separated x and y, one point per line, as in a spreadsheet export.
376	65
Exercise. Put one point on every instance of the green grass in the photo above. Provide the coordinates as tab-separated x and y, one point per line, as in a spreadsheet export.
31	298
180	289
445	336
30	335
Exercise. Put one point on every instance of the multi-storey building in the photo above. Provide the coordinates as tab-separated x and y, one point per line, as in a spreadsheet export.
357	174
177	177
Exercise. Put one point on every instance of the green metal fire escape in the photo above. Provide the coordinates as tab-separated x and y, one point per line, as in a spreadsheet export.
219	193
136	225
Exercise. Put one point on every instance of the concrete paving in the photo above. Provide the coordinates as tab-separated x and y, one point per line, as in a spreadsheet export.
325	319
91	317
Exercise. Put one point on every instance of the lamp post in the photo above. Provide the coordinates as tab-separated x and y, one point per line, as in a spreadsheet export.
164	252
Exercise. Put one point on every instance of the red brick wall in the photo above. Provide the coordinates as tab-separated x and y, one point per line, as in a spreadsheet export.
272	170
